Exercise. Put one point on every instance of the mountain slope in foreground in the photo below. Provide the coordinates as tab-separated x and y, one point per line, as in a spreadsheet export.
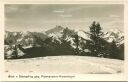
65	64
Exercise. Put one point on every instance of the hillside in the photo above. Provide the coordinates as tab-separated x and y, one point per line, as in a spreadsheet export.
65	64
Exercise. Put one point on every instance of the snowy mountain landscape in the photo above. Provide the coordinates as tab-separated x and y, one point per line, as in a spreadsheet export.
64	61
64	38
29	39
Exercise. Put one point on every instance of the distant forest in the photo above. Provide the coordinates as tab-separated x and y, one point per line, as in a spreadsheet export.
64	41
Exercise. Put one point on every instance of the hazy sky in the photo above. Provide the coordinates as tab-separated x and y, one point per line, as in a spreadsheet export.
40	17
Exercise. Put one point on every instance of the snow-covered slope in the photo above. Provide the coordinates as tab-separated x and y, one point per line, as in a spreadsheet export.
65	64
83	35
59	33
116	35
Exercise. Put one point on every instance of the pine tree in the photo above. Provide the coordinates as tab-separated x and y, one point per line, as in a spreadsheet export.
76	40
64	33
95	44
114	51
121	51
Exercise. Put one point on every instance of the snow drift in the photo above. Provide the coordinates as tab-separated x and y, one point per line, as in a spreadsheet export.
65	64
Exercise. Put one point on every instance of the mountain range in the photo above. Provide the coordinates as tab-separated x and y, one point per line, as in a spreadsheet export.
62	39
28	38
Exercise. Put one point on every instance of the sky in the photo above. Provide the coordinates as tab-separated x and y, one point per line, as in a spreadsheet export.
41	17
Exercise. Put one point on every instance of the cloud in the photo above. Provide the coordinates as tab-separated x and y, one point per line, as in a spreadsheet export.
114	16
66	15
58	11
11	9
74	16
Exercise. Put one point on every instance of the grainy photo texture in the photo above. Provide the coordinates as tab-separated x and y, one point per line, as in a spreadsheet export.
64	38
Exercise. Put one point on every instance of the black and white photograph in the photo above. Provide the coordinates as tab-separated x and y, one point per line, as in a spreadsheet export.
64	38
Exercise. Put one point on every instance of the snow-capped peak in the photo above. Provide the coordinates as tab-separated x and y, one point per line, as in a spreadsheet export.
116	35
83	35
115	31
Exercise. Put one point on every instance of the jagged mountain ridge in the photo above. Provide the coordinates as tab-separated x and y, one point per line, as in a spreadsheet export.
25	38
55	30
56	33
116	35
59	34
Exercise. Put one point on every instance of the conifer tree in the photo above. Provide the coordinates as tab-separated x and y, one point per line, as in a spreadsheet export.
95	43
114	51
76	40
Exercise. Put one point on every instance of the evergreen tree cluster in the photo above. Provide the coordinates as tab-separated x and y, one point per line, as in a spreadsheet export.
99	47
